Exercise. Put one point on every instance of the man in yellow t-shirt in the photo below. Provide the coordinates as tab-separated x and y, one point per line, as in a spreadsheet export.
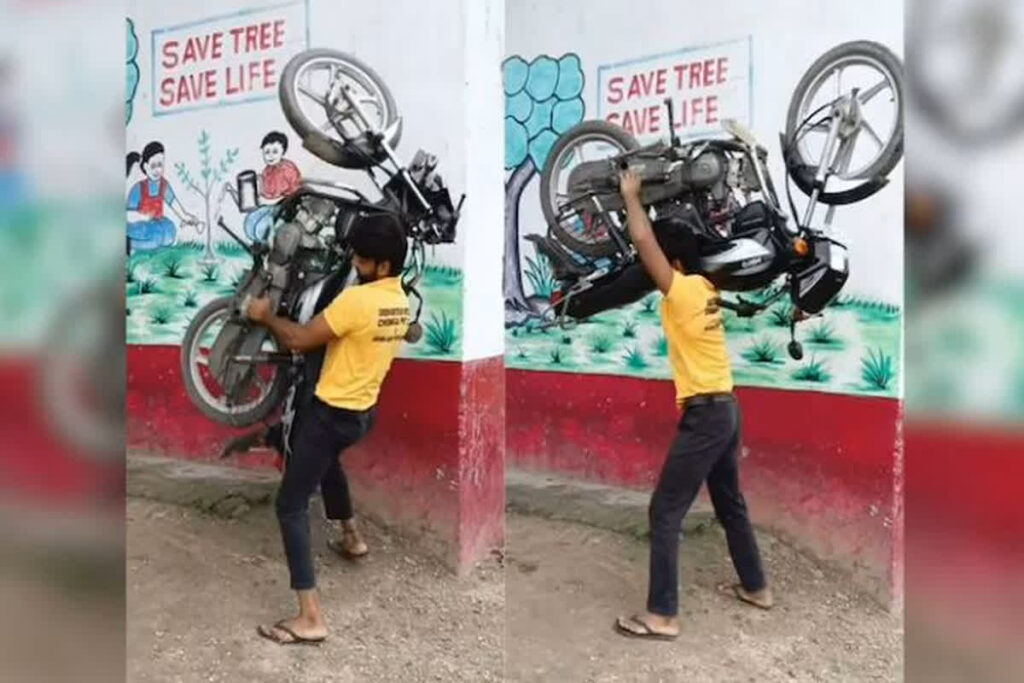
709	431
362	329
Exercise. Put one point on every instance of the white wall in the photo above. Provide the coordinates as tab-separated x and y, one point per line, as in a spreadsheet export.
398	39
787	36
441	61
483	308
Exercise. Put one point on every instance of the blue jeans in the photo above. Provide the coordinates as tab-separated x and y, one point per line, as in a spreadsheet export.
322	432
258	223
704	450
151	234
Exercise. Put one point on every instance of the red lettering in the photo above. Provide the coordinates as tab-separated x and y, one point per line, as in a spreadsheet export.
695	75
217	50
236	33
654	122
614	90
167	92
254	75
170	59
660	86
269	74
709	64
266	35
182	90
712	102
723	68
697	108
211	84
230	87
613	117
680	70
634	88
189	56
252	34
646	80
627	123
279	33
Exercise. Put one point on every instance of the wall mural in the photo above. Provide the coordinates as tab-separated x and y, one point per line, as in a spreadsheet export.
853	347
132	81
179	259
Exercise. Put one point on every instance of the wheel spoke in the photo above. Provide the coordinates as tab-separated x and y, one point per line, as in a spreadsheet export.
839	82
870	93
262	383
313	96
203	360
871	131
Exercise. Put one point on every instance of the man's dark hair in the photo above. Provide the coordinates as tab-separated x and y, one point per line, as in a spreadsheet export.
275	136
678	241
380	237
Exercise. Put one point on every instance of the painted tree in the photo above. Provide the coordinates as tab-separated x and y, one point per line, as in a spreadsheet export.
209	186
543	99
132	82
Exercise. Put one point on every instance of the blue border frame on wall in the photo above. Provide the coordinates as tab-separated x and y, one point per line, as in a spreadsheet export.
177	27
693	48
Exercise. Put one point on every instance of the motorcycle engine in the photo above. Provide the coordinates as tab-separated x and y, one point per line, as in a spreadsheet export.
315	213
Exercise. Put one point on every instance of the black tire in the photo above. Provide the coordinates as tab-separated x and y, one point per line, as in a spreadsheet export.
97	434
251	416
323	145
868	51
591	129
920	44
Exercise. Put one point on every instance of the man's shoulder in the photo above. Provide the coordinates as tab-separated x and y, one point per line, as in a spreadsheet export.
683	284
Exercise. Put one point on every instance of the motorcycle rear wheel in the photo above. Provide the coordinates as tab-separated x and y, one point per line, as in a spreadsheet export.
81	380
271	393
557	160
346	143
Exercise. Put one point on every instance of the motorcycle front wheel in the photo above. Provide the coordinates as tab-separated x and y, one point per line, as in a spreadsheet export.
871	138
255	390
587	141
330	127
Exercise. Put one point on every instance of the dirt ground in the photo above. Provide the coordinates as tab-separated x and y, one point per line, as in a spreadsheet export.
565	584
198	585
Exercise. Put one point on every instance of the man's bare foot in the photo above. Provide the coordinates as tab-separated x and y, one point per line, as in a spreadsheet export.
648	625
351	545
296	631
762	598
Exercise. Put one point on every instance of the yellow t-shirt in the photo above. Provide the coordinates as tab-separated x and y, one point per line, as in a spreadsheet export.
369	322
696	341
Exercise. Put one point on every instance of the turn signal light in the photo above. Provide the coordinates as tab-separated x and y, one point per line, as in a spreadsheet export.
800	247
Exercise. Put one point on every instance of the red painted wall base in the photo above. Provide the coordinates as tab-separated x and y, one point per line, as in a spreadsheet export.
824	469
433	464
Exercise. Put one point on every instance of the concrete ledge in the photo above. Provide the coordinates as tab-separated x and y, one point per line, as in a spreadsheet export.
220	490
606	507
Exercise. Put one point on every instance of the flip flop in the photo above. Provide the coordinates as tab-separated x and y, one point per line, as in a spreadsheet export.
642	630
339	547
272	635
736	590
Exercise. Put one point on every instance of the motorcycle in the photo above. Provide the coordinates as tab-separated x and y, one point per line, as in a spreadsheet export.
720	188
234	371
